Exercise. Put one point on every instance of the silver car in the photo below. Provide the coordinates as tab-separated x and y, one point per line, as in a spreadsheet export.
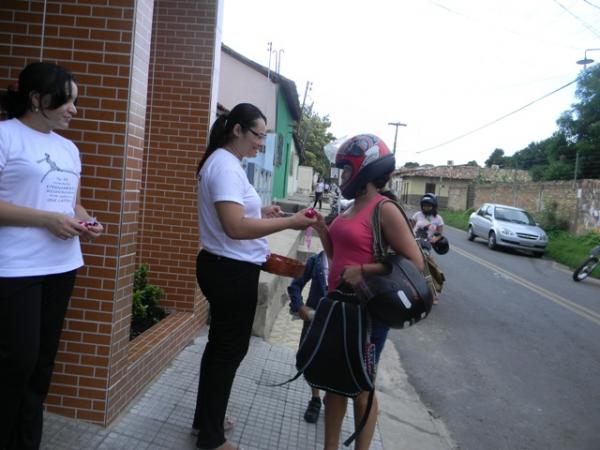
507	226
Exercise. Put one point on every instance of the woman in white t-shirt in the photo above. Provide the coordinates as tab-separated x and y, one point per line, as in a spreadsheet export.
233	226
41	221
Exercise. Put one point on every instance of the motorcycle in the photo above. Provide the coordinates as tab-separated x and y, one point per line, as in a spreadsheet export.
338	205
582	272
440	245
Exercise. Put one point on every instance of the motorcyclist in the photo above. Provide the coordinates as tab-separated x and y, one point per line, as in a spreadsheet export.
428	224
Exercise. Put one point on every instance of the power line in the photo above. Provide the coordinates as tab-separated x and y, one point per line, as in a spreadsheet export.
590	3
499	118
590	28
487	23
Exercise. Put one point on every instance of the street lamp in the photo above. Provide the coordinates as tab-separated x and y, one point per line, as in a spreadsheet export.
585	61
396	124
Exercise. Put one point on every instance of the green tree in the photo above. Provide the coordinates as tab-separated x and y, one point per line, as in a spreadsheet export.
473	163
312	133
496	158
581	124
411	165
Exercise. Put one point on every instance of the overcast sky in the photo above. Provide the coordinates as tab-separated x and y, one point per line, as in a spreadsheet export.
443	67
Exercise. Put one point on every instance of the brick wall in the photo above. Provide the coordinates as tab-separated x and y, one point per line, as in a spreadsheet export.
128	177
579	203
176	135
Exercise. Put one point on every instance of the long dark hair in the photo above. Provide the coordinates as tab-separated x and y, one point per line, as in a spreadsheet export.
221	131
43	78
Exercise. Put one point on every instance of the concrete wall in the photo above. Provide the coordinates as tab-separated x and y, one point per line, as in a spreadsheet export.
239	83
305	177
588	213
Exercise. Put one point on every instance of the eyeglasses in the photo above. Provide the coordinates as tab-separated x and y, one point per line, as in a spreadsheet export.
262	136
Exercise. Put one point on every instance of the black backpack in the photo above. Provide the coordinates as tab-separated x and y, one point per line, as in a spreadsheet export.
335	353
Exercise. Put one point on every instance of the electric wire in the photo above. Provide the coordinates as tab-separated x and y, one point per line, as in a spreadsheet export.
499	118
586	25
591	4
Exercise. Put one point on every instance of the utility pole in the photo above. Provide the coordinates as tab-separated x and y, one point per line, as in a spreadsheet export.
308	88
396	124
576	169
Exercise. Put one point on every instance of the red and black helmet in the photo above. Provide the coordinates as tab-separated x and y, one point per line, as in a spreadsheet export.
368	157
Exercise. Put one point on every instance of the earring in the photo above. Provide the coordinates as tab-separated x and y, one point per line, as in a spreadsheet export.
36	109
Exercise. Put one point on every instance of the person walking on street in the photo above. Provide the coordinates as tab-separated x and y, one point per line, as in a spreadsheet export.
319	188
41	222
233	227
316	271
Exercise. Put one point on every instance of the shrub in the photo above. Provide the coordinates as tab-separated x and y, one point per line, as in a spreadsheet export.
550	219
145	309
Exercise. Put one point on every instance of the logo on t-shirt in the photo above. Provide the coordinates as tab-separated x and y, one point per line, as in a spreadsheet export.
53	167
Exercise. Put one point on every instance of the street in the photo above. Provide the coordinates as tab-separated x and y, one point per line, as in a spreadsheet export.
510	357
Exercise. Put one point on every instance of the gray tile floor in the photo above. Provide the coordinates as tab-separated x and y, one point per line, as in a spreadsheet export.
267	418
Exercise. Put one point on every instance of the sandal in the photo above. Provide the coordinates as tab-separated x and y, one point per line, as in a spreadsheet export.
228	424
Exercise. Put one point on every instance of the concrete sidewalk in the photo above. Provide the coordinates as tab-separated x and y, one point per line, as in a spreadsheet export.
267	418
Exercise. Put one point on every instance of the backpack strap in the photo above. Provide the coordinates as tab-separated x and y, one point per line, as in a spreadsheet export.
378	244
363	420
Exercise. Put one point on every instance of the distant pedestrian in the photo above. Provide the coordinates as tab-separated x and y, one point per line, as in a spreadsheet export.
319	188
316	271
233	227
41	222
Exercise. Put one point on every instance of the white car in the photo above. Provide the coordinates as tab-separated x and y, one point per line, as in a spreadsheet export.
507	226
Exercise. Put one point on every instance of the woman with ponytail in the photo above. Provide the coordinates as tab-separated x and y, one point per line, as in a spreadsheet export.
233	226
41	222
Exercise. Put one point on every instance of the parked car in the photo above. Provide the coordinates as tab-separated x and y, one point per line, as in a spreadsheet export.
506	226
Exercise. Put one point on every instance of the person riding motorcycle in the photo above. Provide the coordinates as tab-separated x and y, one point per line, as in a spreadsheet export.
429	225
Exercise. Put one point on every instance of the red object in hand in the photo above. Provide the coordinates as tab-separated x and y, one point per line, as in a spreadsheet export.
310	213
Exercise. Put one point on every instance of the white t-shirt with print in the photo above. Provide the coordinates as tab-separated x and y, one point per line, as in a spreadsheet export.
222	179
421	220
41	171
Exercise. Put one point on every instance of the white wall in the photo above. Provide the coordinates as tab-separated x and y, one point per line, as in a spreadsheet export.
305	179
239	83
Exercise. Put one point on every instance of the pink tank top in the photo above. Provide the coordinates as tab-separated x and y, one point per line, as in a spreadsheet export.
352	240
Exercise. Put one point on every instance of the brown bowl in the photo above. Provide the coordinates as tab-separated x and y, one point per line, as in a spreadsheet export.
284	266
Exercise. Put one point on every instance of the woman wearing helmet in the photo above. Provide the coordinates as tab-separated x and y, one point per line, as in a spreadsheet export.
366	164
429	223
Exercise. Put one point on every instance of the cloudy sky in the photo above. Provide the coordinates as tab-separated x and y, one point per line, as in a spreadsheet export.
442	67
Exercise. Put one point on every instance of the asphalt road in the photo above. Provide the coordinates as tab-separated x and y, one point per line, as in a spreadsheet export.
510	357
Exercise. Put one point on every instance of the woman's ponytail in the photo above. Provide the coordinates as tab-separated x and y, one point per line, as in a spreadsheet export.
244	114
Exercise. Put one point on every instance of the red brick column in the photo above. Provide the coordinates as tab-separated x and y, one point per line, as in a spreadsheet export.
126	171
176	133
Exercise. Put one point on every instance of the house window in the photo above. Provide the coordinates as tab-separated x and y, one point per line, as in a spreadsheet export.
429	188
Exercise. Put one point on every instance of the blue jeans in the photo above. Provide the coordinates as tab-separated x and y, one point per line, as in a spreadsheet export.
379	334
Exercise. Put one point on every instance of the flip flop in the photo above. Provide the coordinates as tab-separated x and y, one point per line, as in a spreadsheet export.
228	424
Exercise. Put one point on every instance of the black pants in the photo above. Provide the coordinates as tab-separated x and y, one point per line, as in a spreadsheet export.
231	288
319	199
32	311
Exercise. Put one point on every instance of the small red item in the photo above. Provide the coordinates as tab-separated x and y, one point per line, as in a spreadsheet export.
310	213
